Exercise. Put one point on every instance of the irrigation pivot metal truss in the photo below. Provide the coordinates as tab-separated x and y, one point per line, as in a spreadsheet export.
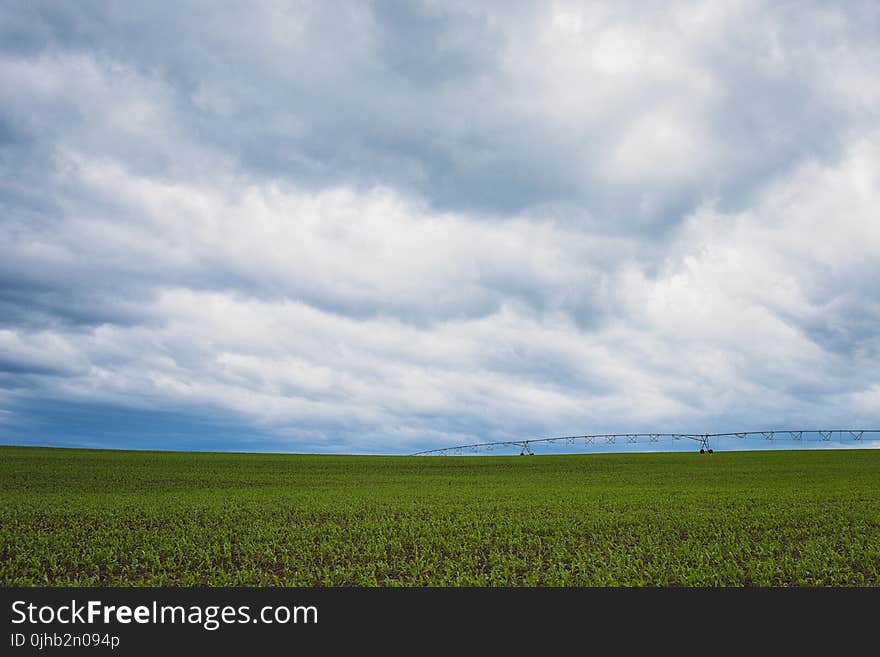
525	445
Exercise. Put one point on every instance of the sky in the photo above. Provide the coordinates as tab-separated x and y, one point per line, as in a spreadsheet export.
381	227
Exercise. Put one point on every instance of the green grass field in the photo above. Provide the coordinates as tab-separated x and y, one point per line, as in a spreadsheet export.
84	517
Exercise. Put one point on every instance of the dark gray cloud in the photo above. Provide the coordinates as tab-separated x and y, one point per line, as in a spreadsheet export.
627	117
378	225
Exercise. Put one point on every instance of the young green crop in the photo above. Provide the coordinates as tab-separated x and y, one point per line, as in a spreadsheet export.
112	518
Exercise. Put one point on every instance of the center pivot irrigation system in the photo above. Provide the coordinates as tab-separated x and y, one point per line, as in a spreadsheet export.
855	436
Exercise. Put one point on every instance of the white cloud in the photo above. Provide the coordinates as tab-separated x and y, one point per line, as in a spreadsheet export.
455	223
